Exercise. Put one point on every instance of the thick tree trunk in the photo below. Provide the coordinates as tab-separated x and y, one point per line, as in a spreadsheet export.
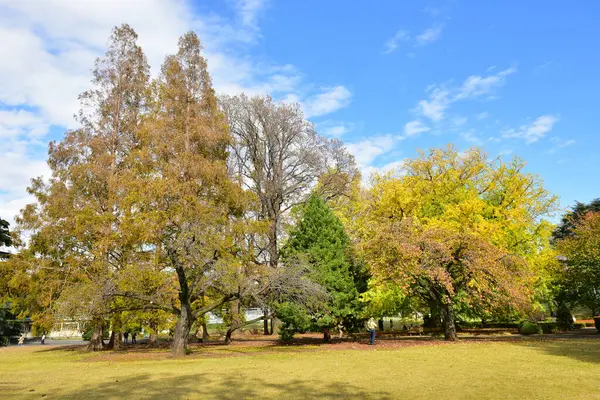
185	320
272	323
116	341
96	343
448	322
235	320
326	335
182	331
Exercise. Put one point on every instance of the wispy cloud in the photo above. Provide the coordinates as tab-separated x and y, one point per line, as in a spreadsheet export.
414	128
476	85
392	44
560	144
249	10
441	96
335	128
534	131
429	36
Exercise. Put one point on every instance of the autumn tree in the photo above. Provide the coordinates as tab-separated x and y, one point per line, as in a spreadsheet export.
319	240
76	221
571	219
580	251
277	155
456	228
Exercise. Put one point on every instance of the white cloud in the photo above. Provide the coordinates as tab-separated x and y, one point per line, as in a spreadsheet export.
434	108
392	44
429	36
415	127
533	132
483	115
366	151
329	100
15	123
476	85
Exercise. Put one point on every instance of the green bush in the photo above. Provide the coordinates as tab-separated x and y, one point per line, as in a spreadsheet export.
529	328
548	327
294	320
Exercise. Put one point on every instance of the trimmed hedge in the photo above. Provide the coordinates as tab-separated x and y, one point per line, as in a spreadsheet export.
530	328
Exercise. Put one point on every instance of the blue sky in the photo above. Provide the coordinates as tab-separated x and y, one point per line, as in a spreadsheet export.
518	78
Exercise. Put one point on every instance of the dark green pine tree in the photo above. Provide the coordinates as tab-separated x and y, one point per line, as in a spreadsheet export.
320	240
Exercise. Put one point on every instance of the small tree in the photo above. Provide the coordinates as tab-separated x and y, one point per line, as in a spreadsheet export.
319	240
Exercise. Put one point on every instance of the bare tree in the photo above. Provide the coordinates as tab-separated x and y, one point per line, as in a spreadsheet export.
279	156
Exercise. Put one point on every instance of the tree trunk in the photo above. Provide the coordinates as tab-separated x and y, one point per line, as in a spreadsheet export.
448	322
182	331
153	339
265	324
235	320
436	315
326	335
96	343
116	341
272	323
205	334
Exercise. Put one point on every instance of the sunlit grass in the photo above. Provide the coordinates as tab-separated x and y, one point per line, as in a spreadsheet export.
556	369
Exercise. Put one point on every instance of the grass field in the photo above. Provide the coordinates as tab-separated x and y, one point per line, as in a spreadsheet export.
528	369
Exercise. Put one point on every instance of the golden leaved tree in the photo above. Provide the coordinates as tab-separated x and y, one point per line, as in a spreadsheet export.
456	227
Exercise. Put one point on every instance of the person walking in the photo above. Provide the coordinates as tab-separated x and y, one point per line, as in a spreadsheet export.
43	338
133	336
21	340
125	336
371	326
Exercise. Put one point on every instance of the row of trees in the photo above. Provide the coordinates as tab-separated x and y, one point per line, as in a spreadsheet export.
169	203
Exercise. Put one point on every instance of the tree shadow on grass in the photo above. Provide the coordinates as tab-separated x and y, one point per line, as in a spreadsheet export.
211	386
586	350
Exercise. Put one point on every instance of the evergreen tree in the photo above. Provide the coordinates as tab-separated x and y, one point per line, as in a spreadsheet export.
319	239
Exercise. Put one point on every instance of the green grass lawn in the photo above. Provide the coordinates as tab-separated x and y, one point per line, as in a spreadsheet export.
530	369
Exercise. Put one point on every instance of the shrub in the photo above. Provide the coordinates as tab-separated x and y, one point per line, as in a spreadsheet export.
294	320
548	327
529	328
